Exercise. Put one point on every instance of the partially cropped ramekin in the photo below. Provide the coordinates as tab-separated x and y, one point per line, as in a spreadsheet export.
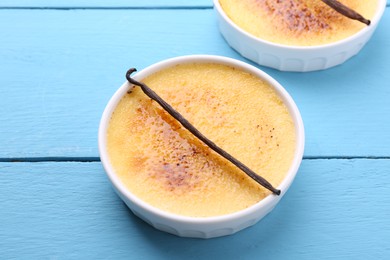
294	58
199	227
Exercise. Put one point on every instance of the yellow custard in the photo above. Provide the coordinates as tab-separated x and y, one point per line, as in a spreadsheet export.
166	166
297	22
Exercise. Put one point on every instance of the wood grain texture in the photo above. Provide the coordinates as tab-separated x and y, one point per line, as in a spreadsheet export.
60	62
335	209
60	67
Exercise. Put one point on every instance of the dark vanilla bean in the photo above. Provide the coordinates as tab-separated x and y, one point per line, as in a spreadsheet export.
184	122
346	11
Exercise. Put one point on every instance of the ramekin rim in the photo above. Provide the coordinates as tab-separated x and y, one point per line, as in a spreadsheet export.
205	58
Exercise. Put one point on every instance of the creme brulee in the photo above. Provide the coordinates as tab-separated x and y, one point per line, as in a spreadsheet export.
297	22
166	166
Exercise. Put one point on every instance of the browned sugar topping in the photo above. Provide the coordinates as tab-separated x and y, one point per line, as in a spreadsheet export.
175	167
297	16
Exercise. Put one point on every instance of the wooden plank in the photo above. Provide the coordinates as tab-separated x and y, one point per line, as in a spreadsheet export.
60	67
105	4
335	209
108	4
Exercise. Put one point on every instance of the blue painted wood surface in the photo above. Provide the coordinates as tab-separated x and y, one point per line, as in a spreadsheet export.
106	4
54	62
62	210
60	62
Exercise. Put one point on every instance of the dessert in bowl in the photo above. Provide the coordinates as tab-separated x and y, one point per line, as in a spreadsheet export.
296	35
174	181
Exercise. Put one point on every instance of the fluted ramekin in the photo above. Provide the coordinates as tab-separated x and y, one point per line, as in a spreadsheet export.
206	227
294	58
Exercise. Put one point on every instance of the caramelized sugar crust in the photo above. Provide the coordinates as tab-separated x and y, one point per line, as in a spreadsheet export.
165	165
296	22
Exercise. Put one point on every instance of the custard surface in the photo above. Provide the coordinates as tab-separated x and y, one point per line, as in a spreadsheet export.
297	22
166	166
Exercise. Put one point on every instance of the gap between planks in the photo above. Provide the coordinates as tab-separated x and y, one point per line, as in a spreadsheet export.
206	7
97	159
201	7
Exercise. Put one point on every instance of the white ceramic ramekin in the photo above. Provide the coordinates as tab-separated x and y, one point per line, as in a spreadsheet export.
211	226
294	58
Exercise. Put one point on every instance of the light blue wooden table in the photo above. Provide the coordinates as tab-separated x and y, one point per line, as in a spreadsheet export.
60	62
